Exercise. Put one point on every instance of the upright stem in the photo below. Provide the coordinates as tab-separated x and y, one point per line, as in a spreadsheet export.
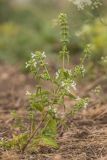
34	133
63	61
47	71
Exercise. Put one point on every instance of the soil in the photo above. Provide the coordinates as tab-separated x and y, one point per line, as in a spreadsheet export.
85	139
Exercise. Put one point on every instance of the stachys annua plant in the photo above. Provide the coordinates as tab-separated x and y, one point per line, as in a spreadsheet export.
46	102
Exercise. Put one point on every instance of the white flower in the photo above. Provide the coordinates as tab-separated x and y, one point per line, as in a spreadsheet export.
82	102
35	64
54	110
73	85
63	84
81	3
104	59
85	105
28	93
65	80
43	55
27	64
49	107
69	71
32	55
68	85
83	69
57	74
68	88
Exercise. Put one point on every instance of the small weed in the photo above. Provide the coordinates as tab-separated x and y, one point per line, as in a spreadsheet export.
45	102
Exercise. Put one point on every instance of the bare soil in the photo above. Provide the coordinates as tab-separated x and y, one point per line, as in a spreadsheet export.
85	139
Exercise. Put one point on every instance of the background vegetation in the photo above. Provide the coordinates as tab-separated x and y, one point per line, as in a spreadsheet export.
27	26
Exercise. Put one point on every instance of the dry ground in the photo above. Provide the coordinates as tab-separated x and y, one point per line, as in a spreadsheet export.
86	138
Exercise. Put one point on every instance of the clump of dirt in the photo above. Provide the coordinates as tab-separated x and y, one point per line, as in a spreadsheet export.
86	138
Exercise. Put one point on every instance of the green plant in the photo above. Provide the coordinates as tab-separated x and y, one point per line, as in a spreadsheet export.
46	103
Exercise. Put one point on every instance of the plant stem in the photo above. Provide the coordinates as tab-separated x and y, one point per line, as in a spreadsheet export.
34	133
47	71
63	61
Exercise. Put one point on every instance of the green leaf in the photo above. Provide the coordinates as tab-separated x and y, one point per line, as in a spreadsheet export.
51	129
48	141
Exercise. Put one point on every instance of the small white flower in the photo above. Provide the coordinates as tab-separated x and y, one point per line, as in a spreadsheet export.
27	64
82	102
104	59
81	3
73	85
83	69
69	72
85	104
52	109
63	84
57	74
55	111
68	85
43	55
68	89
28	93
32	55
35	64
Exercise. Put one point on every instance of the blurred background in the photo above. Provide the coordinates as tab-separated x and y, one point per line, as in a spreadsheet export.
29	25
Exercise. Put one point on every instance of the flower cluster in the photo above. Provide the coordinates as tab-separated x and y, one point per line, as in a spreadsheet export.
81	4
68	85
36	58
64	78
104	60
53	111
82	103
64	37
96	4
38	66
28	93
62	19
79	70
